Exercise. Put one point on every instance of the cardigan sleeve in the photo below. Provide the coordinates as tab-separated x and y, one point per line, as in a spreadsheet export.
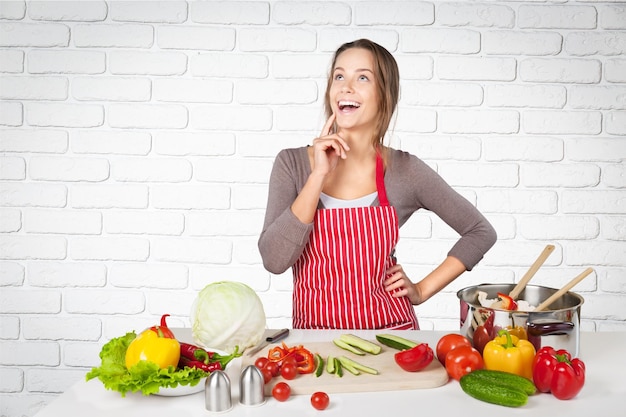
284	236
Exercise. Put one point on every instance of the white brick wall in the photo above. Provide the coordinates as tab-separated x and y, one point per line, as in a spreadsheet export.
137	138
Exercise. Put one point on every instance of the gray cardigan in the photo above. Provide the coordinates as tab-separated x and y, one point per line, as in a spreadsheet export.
411	185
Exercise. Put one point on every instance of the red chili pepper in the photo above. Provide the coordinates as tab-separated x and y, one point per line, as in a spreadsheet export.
207	367
163	330
555	371
508	303
195	353
416	358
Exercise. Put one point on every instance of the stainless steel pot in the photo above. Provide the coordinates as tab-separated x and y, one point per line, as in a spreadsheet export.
558	327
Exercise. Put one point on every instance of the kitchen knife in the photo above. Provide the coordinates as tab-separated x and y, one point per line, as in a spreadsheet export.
274	337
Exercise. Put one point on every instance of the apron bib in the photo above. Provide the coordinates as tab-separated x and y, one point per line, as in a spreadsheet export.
338	279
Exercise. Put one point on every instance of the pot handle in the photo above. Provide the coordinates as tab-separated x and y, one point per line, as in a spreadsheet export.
549	328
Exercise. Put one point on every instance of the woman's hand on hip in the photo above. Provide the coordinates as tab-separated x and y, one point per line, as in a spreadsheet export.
399	285
328	148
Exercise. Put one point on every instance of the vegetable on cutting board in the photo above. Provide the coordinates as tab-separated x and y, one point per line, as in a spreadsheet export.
395	342
496	387
555	371
510	354
357	345
416	358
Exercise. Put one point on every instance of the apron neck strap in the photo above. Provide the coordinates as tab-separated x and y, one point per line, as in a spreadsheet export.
380	180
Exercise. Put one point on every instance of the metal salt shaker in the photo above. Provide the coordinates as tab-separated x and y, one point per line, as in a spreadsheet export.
217	392
251	387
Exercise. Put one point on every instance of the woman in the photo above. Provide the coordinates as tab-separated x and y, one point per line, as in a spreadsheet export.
335	208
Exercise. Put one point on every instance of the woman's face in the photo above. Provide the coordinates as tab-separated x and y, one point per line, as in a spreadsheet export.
353	95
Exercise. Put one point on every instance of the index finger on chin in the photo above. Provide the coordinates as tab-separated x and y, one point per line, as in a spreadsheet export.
327	129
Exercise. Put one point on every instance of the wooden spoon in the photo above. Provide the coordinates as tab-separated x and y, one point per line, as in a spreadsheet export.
563	290
515	292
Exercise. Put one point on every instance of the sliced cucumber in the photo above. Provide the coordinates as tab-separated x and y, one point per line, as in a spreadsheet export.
362	344
319	365
347	365
352	366
396	342
340	343
338	368
330	364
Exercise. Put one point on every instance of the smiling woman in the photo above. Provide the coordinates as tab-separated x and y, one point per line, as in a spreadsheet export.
335	208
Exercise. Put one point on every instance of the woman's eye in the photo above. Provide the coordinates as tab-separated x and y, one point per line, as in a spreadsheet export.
339	77
363	78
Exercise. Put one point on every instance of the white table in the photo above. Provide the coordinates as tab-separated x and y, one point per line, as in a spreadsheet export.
603	395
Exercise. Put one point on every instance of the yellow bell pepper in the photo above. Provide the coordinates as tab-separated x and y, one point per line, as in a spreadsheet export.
511	354
154	345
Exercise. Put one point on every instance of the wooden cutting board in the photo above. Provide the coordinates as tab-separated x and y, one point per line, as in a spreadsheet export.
390	377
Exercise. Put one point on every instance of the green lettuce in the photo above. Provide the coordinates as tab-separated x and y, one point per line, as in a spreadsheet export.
145	376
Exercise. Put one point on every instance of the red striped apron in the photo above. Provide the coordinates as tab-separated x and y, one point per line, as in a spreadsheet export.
338	279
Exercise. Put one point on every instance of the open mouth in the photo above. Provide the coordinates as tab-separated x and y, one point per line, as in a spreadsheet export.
346	105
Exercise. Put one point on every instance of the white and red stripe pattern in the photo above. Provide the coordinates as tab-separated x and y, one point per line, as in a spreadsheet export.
338	281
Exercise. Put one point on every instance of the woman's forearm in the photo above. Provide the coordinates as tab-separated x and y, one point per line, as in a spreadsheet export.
450	269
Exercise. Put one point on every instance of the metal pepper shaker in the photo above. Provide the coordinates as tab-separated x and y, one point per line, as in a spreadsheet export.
251	387
217	395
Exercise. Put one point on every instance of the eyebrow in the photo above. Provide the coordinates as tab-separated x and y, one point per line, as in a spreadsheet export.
357	70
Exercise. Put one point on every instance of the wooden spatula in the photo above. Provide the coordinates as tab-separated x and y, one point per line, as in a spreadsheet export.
545	304
515	292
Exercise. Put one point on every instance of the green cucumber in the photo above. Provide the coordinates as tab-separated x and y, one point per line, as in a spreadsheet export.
338	368
353	366
485	390
330	365
396	342
506	379
319	365
364	345
340	343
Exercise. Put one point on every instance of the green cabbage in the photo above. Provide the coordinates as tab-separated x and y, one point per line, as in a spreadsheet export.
226	315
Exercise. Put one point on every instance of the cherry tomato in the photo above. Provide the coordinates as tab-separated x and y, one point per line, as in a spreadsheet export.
449	342
463	360
289	370
273	367
281	391
267	375
261	362
320	400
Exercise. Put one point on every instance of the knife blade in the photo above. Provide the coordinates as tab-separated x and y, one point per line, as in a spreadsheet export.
274	337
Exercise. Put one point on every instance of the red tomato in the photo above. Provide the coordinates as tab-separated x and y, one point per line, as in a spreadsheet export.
449	342
267	375
481	338
320	400
261	362
273	367
289	370
281	391
463	360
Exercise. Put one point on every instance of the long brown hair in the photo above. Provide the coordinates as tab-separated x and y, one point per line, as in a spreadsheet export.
387	83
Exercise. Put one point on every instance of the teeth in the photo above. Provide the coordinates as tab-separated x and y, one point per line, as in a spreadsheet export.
349	103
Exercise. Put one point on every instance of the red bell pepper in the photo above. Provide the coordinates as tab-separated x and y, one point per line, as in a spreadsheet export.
508	303
416	358
555	371
163	330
